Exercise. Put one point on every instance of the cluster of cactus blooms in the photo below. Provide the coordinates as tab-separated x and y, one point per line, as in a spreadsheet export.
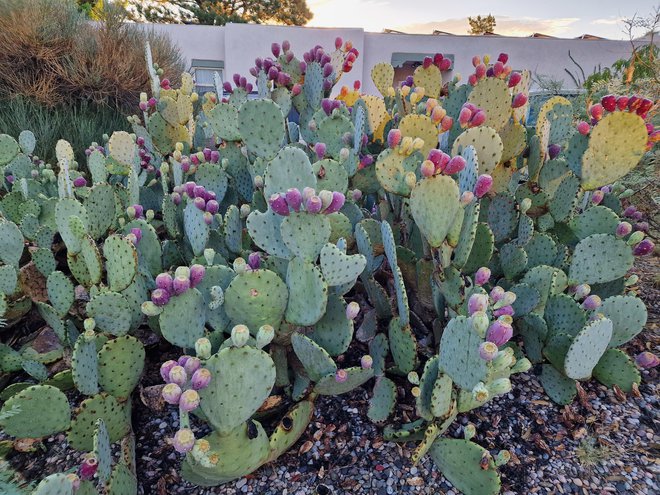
471	116
499	69
638	217
145	157
184	278
94	147
203	199
647	360
190	163
242	82
325	202
148	103
439	162
438	115
183	378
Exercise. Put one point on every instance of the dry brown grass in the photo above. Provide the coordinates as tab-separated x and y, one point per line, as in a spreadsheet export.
52	55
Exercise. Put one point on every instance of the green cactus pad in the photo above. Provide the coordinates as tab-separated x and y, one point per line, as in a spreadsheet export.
587	348
542	279
594	220
420	126
111	311
264	229
340	227
328	385
513	260
527	298
339	268
11	243
121	262
628	315
330	175
291	428
238	455
122	481
31	422
564	200
600	258
183	317
382	75
120	363
100	208
616	368
427	386
290	168
256	298
391	169
60	292
514	140
492	95
314	358
554	123
102	451
84	365
541	250
460	462
403	345
383	400
502	216
308	293
8	149
442	397
564	315
122	149
482	249
55	484
8	279
196	229
487	144
305	234
559	388
233	396
467	236
52	319
429	78
434	203
333	331
224	120
27	142
115	415
261	126
213	178
331	131
534	331
467	178
616	145
220	276
459	353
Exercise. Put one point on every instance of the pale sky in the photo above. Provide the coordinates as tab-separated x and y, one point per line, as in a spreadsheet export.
561	18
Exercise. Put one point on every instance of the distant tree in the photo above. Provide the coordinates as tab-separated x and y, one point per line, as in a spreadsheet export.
289	12
482	25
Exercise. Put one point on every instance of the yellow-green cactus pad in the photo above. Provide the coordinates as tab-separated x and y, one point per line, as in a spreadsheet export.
382	75
554	122
420	126
492	95
434	203
430	79
487	143
514	140
616	146
392	168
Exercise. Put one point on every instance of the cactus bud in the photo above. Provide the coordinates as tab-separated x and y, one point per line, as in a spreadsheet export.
320	150
150	309
258	181
553	151
608	102
504	359
293	199
279	205
88	468
79	182
583	128
635	238
597	197
356	194
483	185
500	387
464	116
497	293
499	333
366	362
469	431
623	229
313	204
647	360
352	310
182	271
466	198
504	310
514	79
265	336
189	400
341	376
596	111
200	379
180	285
254	261
519	100
160	297
480	392
171	393
427	168
591	303
176	374
184	440
488	351
477	302
191	365
632	280
203	348
240	335
643	248
394	138
336	203
521	366
482	276
480	322
89	324
245	210
455	165
212	206
326	198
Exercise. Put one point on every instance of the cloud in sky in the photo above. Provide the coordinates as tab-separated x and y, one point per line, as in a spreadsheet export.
507	26
610	21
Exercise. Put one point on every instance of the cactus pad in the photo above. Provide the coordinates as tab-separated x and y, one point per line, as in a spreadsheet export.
541	250
8	149
122	481
290	168
554	121
183	317
420	126
261	125
513	260
333	331
459	353
434	205
391	170
587	348
564	315
616	145
305	234
628	315
600	258
264	229
31	422
64	209
55	484
115	415
594	220
111	311
403	345
429	78
60	292
120	362
492	95
121	262
514	140
314	358
84	365
328	385
233	396
527	299
502	216
382	75
460	462
308	293
616	368
291	428
482	249
487	144
196	229
102	451
382	403
559	388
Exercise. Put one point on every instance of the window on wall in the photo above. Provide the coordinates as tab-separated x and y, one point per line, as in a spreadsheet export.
405	63
203	72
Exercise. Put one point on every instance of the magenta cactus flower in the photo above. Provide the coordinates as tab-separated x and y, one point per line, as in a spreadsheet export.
313	204
164	281
477	302
592	302
514	79
483	185
488	351
165	369
596	111
341	376
366	362
178	375
293	198
497	293
623	229
608	102
254	261
197	273
192	364
337	202
553	151
482	276
279	205
88	467
180	285
427	168
200	379
184	440
160	297
582	291
499	333
455	165
479	118
79	182
320	150
647	360
644	248
212	206
519	100
189	400
583	128
137	233
199	203
394	138
171	393
597	197
464	116
504	310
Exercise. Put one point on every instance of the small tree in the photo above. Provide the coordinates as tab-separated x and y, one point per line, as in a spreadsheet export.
482	25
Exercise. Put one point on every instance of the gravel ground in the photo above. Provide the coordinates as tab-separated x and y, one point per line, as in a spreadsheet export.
601	444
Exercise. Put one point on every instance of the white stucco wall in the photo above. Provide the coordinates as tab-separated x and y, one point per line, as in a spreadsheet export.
237	45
